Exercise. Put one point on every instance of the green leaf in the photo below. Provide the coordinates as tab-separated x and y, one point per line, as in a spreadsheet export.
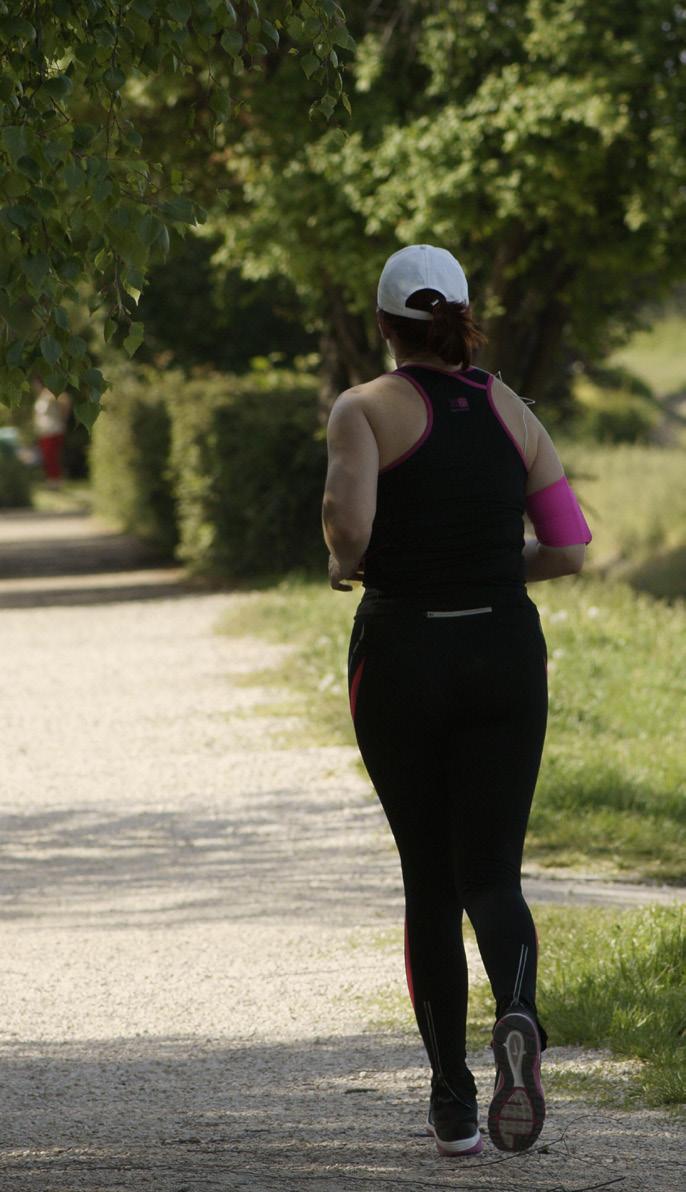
17	29
61	317
44	197
327	104
134	339
133	138
86	412
58	86
162	242
15	353
20	214
148	228
55	380
50	349
310	64
14	139
233	15
83	135
77	346
179	209
102	190
346	103
29	166
94	379
220	102
109	329
114	78
341	37
179	10
231	41
86	53
73	176
70	269
271	31
55	151
36	268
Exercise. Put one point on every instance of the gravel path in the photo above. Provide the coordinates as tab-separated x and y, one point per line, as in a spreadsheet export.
197	926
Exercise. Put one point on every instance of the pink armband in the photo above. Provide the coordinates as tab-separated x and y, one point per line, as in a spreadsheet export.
556	515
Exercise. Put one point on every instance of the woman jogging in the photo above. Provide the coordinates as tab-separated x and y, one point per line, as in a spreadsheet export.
431	468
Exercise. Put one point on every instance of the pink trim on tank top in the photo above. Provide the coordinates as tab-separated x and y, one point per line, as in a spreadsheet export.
508	432
427	429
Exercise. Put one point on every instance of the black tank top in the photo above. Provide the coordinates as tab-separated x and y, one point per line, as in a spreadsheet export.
449	528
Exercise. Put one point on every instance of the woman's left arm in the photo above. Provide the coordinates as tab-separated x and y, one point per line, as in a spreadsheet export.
349	504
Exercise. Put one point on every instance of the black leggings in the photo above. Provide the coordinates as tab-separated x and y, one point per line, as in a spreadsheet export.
450	717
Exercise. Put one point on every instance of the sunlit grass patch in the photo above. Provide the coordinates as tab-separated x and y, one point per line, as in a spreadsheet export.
618	979
609	980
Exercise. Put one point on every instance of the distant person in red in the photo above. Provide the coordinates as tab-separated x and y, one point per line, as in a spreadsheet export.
50	417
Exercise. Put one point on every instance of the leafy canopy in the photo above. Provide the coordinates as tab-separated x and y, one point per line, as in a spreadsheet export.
542	141
83	212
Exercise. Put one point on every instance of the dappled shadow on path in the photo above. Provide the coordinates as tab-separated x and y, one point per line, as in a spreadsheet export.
336	1114
273	850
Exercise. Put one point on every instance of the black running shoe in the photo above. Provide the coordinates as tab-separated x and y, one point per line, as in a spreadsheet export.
453	1122
517	1111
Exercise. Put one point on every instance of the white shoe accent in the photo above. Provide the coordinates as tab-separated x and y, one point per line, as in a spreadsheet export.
515	1049
459	1145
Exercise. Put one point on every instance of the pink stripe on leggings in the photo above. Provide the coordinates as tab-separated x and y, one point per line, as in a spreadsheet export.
355	685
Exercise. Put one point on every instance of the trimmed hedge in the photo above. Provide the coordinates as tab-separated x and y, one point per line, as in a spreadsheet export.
227	471
129	458
249	470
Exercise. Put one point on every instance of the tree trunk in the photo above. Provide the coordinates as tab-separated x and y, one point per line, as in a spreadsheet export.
524	341
349	356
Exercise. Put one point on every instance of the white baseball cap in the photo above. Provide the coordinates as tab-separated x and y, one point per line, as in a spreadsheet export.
420	267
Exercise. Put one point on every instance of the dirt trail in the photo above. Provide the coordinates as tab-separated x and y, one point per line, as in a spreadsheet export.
195	924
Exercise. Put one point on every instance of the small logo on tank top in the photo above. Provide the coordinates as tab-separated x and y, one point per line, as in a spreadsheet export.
458	403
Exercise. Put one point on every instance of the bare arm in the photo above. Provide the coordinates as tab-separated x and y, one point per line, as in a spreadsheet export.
544	467
349	504
548	562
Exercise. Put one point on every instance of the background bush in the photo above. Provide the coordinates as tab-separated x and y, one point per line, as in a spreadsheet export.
129	457
249	465
225	471
15	479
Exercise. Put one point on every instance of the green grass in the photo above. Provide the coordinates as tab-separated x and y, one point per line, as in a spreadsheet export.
634	499
610	794
607	979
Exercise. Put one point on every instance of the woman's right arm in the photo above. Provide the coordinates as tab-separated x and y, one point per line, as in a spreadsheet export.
555	513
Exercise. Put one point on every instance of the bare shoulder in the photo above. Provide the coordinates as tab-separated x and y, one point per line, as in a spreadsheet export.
368	397
519	418
508	399
378	387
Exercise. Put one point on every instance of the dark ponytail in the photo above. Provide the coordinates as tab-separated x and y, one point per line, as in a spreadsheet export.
451	333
